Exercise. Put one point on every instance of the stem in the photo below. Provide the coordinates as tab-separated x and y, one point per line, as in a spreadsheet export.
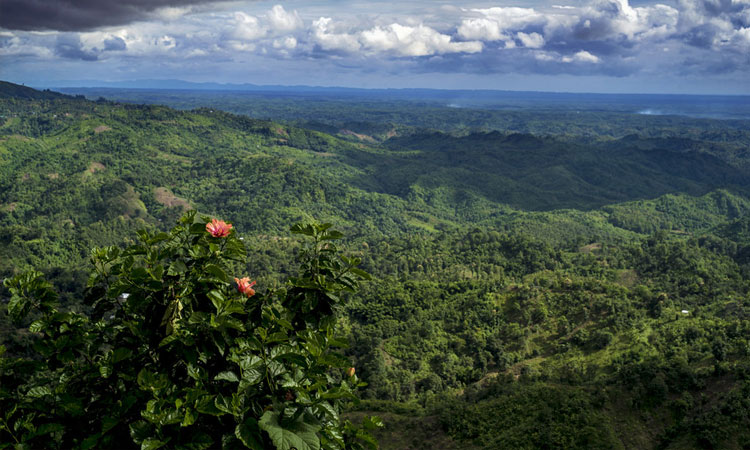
5	426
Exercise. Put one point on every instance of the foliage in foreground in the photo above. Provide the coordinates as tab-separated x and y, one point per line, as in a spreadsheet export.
175	355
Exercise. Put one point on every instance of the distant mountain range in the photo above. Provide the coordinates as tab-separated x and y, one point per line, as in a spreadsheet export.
704	106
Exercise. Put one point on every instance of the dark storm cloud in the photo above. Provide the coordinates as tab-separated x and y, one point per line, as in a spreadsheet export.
78	15
71	47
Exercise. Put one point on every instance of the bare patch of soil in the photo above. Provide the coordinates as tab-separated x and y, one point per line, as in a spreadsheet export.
361	137
96	167
165	197
590	248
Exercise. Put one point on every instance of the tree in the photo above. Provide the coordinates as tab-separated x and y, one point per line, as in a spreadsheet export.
174	354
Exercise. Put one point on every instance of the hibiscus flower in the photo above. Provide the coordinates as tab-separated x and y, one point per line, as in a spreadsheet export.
218	228
245	286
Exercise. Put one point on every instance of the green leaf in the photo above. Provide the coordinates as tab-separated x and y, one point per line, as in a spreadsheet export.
332	235
249	433
121	354
140	431
139	275
156	272
293	357
198	441
206	405
278	336
227	376
177	268
198	228
296	435
36	326
217	298
372	422
16	305
224	404
150	381
105	371
108	423
152	444
217	272
90	442
326	408
251	377
158	238
169	339
189	419
249	362
285	323
39	391
361	273
48	428
304	229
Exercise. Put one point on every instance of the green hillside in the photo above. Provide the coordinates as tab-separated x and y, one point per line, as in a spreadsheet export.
15	91
529	290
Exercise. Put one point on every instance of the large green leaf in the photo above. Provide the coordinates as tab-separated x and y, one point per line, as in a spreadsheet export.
198	441
152	444
39	391
249	433
227	376
296	435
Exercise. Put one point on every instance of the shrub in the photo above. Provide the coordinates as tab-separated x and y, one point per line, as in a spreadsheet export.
175	354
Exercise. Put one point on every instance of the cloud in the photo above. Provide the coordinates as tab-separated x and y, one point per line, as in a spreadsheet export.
414	41
583	56
70	47
115	44
20	46
532	40
715	24
80	15
282	21
494	24
327	36
393	39
247	27
603	37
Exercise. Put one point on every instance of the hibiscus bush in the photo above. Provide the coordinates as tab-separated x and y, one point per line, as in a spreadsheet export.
180	352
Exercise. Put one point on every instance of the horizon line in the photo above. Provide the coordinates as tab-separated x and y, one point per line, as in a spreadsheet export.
248	87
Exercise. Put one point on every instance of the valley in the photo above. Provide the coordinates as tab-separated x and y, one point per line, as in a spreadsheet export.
540	278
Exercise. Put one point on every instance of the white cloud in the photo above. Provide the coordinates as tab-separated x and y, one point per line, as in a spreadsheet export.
608	18
282	21
493	23
582	56
325	35
247	27
287	43
396	39
414	41
172	13
531	40
19	44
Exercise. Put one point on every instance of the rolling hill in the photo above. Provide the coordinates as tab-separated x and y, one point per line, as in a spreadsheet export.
529	288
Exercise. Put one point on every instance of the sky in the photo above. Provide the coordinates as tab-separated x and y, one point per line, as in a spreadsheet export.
617	46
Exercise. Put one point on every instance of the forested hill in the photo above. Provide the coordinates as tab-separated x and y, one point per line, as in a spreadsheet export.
68	164
15	91
496	319
528	172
